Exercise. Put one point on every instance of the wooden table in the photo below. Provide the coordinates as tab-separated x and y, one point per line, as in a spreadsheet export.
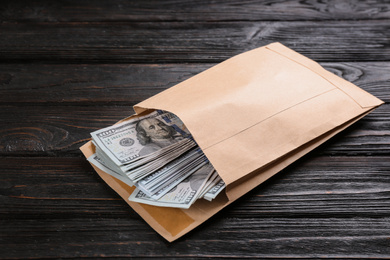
71	67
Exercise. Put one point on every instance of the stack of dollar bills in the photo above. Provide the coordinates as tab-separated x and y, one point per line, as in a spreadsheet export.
156	154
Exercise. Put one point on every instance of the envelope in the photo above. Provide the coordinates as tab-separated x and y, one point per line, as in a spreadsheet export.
252	115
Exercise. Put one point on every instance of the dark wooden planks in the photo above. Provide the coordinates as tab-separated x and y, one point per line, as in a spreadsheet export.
307	238
58	207
86	84
61	130
52	130
178	10
120	84
56	188
189	42
329	185
315	186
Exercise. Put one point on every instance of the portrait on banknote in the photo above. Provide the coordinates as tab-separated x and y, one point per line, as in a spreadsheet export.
154	134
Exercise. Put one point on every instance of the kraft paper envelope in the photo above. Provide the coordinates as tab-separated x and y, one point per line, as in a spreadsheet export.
252	115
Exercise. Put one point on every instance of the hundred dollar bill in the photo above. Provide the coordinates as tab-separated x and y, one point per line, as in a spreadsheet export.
211	182
159	183
137	138
98	162
137	172
164	154
213	193
106	160
177	164
181	196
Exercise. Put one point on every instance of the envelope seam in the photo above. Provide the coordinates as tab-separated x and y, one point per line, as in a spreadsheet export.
243	130
319	74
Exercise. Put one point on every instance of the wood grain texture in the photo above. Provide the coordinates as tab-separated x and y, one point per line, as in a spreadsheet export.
99	42
100	238
58	207
86	84
315	186
128	84
61	130
54	130
179	10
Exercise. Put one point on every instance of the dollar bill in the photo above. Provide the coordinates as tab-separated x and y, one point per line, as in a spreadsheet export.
98	162
172	151
160	182
145	169
135	139
213	193
211	182
181	196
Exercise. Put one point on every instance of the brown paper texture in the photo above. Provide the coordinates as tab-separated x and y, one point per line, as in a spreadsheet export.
252	115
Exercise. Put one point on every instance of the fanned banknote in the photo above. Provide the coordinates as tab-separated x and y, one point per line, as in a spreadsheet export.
145	136
98	162
181	196
214	191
